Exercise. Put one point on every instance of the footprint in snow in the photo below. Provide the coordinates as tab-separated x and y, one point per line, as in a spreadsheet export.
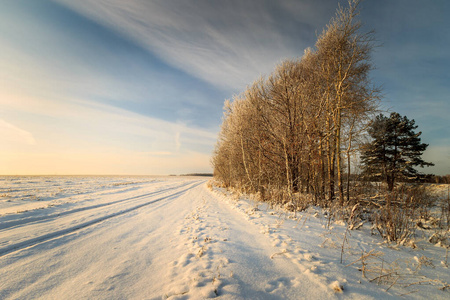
185	259
282	282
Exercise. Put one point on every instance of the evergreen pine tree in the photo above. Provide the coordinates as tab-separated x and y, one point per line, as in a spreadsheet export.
394	151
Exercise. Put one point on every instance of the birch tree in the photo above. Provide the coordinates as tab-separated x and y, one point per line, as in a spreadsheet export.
344	58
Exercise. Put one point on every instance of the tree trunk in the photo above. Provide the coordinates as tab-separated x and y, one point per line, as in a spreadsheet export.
348	174
349	148
390	182
338	158
245	166
330	157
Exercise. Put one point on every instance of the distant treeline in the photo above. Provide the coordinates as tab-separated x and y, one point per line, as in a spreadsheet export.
198	174
437	179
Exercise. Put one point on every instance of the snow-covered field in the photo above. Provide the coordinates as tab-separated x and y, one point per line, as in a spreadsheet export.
173	237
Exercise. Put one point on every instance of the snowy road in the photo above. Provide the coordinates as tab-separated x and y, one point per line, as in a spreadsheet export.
83	251
171	238
34	230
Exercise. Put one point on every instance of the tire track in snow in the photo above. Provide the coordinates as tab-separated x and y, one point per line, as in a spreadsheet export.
52	235
13	223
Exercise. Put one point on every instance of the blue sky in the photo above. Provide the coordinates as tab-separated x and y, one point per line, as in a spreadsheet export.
137	87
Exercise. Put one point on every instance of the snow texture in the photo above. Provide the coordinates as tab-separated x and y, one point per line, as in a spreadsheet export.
173	237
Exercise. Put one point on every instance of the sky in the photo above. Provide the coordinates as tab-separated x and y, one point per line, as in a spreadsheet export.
137	87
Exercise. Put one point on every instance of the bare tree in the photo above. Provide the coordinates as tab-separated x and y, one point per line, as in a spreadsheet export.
344	56
287	131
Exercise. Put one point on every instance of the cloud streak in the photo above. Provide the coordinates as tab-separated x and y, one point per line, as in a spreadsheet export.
13	134
81	137
107	118
226	43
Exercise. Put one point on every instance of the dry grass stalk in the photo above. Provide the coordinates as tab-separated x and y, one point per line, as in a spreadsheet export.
347	230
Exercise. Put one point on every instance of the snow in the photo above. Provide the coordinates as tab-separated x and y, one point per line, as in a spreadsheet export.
173	237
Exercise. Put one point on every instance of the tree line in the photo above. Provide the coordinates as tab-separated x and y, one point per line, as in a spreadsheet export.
294	129
299	129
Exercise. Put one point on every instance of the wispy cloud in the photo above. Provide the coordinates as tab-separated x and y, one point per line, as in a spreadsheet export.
62	113
225	43
77	136
13	134
99	117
